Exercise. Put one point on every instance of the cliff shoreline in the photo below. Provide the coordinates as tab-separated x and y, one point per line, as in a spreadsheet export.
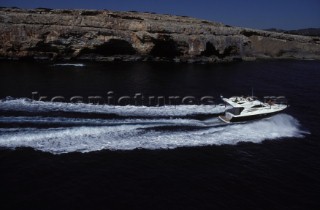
102	35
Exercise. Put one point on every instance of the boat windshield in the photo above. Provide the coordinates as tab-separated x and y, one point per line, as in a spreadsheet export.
236	110
258	106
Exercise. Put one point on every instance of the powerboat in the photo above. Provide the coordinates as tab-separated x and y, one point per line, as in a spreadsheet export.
250	108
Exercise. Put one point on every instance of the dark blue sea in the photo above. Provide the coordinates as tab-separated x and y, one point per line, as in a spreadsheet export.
141	136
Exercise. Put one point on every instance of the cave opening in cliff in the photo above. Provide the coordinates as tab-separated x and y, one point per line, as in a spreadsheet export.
210	50
166	48
112	47
45	47
231	51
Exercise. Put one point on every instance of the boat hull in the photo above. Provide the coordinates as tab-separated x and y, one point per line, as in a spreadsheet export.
248	117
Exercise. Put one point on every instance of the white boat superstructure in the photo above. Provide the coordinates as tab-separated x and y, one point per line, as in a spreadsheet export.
249	108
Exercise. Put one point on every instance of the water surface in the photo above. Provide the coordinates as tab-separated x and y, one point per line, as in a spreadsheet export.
74	155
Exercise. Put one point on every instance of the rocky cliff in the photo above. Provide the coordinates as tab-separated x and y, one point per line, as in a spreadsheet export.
303	32
131	36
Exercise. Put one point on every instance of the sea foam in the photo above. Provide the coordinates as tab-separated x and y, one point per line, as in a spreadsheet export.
28	105
70	64
131	134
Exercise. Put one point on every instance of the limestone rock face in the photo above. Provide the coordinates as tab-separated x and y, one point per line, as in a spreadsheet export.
130	36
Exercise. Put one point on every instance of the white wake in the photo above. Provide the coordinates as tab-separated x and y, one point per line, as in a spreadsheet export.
70	64
141	133
28	105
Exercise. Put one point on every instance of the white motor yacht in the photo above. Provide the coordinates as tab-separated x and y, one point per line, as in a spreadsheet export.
250	108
